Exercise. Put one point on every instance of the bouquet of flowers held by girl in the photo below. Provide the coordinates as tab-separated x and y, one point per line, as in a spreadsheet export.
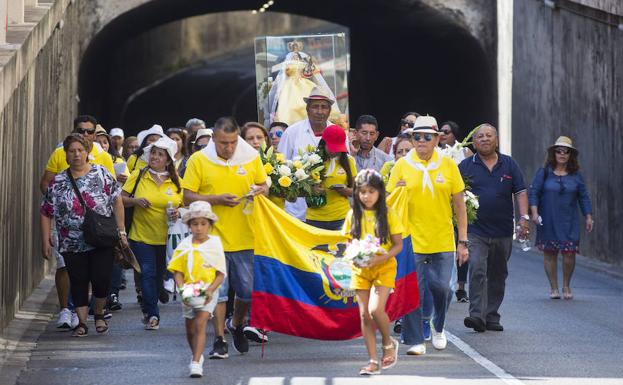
194	294
294	178
360	251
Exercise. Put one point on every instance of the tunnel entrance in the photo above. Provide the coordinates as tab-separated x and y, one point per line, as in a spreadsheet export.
404	57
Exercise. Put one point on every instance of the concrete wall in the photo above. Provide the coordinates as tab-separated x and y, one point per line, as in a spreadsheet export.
38	86
568	80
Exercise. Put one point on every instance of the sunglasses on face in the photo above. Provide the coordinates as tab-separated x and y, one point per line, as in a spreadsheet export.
276	134
86	131
446	132
407	123
562	151
418	137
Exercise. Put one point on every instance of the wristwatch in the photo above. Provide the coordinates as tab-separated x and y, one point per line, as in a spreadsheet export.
526	217
465	243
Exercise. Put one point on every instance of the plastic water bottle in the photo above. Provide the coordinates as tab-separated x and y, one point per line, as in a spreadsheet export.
524	243
169	211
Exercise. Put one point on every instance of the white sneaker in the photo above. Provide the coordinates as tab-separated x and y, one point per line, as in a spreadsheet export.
196	369
74	319
439	339
417	350
64	319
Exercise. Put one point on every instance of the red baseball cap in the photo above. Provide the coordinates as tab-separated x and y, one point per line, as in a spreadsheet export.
335	138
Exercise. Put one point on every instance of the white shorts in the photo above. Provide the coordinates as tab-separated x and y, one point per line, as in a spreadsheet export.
190	312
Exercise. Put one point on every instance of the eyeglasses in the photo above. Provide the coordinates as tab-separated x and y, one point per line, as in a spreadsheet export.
407	123
276	134
86	131
562	151
418	137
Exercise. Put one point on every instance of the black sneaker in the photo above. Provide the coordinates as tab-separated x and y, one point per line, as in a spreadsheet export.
113	302
241	344
163	296
255	334
219	349
461	296
474	323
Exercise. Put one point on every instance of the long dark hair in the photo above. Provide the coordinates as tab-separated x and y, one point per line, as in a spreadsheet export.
170	169
342	160
573	165
370	178
182	134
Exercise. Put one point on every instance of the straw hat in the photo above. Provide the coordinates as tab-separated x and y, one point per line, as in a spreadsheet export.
425	124
198	209
564	141
99	130
154	130
320	93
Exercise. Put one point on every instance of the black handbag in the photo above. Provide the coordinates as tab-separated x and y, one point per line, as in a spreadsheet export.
129	211
99	230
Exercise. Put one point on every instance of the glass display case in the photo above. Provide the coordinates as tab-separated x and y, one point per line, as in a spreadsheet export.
287	69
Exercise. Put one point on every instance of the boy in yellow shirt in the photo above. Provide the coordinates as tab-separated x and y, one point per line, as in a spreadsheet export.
198	258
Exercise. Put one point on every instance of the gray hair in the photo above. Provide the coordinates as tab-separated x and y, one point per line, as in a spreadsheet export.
195	122
486	125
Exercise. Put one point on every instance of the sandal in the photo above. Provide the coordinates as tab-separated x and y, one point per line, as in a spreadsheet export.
390	361
100	329
80	331
566	293
554	294
370	369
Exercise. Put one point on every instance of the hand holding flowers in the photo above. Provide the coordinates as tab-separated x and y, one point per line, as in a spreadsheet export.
196	294
365	252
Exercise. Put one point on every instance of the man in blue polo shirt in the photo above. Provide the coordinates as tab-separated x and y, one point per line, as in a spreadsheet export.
495	178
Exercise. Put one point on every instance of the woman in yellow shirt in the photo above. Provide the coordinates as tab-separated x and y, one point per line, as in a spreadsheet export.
338	183
145	138
159	186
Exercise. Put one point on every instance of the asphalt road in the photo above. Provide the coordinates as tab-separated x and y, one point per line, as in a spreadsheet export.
545	342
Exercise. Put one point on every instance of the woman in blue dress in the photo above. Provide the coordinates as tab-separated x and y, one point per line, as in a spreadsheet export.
555	193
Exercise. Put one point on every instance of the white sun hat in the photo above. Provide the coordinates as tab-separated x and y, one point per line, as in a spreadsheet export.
198	209
426	124
116	132
154	130
164	143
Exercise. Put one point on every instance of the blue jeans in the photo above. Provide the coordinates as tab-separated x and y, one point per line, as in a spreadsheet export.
152	259
239	276
433	271
427	304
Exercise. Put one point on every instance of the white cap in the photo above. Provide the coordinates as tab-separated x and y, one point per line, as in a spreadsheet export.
164	143
154	130
203	132
116	132
426	124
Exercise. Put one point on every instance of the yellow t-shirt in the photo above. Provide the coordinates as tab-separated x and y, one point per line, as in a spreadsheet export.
58	160
135	164
200	271
337	205
208	178
430	216
149	225
368	225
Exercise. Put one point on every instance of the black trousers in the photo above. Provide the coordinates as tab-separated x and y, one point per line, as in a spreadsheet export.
94	267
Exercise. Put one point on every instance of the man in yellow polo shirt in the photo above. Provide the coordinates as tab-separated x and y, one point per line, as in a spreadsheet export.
435	187
227	174
85	126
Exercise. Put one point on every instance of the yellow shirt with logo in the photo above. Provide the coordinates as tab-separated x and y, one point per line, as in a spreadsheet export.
208	178
368	225
135	163
149	225
58	160
430	215
337	205
200	272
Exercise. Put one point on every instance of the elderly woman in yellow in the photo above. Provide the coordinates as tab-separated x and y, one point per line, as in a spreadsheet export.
338	183
198	258
157	188
145	138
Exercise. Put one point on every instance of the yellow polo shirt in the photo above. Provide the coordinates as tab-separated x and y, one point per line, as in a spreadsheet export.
337	205
208	178
135	164
430	215
58	160
368	225
149	225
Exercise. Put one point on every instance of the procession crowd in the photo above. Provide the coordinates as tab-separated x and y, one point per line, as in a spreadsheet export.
207	176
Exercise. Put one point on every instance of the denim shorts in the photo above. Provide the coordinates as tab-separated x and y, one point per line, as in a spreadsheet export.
239	275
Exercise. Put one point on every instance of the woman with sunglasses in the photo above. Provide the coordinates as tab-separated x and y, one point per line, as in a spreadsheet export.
406	122
448	137
275	132
555	193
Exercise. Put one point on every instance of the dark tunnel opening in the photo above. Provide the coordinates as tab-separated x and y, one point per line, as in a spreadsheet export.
404	59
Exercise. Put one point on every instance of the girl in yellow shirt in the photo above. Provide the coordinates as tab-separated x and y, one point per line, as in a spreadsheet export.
199	257
373	282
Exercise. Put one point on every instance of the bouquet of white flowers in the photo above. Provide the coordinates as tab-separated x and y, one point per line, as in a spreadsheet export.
194	293
360	251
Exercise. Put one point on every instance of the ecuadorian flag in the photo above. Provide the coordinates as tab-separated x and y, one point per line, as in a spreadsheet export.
294	291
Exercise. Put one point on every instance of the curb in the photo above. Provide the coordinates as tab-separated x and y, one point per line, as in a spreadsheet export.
19	338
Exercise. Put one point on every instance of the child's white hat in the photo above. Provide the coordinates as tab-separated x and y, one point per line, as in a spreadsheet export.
198	209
